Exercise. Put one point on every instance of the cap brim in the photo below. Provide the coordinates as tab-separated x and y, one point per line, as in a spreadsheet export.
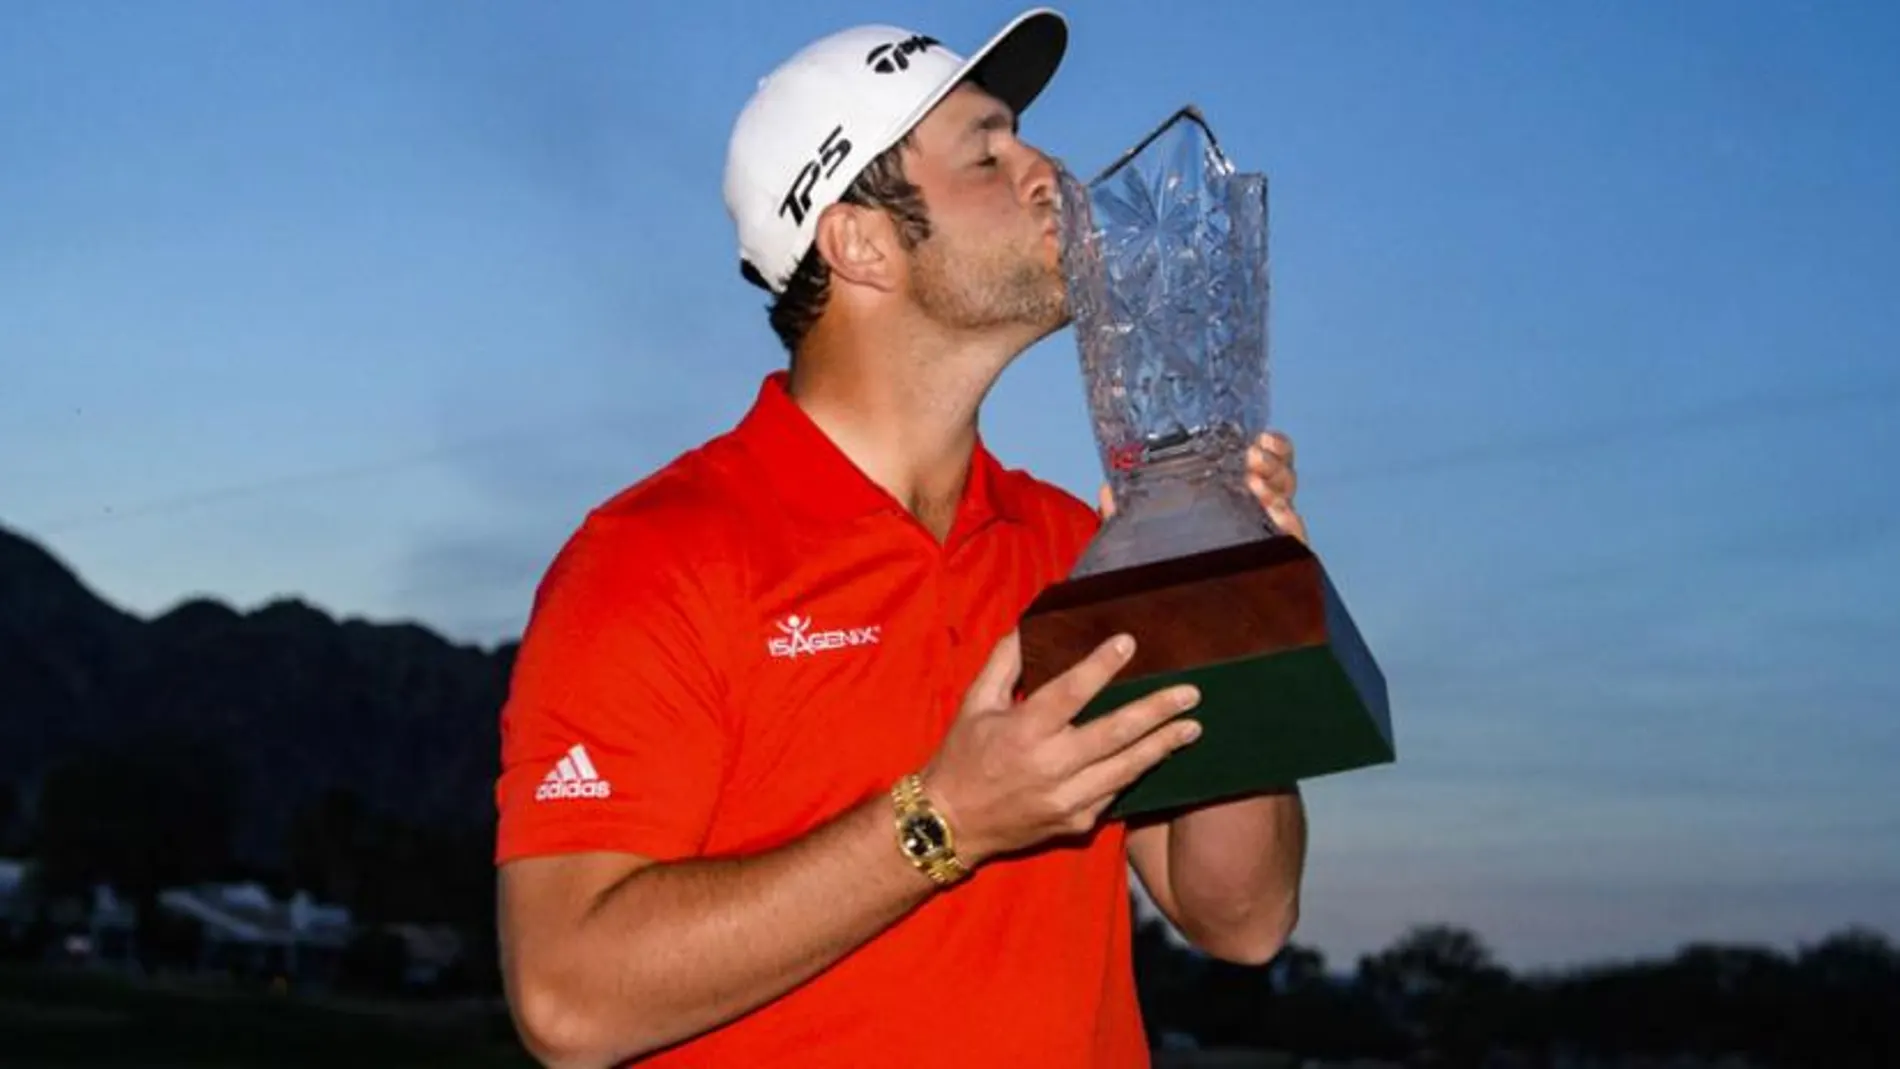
1014	66
1017	64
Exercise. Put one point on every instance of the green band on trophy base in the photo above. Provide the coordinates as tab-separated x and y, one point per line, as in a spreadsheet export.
1268	722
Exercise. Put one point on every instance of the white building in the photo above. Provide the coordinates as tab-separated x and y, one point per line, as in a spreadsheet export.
243	929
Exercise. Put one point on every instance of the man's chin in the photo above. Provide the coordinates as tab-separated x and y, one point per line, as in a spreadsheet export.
1055	320
1041	304
1063	312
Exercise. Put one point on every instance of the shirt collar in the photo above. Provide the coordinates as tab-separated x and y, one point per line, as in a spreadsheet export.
809	474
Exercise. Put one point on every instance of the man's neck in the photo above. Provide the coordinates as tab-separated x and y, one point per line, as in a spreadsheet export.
907	420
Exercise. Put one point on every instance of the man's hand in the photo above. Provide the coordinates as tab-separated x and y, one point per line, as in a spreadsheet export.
1271	479
1011	775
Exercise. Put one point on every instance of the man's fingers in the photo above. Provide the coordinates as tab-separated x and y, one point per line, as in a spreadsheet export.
1065	695
1118	730
1286	520
996	681
1105	778
1277	444
1271	458
1276	475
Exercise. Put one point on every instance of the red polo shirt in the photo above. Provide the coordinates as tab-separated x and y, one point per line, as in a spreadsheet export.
757	638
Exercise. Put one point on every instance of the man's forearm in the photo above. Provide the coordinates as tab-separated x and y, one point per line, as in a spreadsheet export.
676	949
1229	874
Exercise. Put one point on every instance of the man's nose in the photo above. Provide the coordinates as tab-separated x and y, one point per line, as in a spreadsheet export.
1039	181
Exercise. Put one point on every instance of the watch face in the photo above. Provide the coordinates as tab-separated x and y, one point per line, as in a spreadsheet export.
923	834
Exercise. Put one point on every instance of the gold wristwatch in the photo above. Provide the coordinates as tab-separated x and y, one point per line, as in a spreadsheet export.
923	835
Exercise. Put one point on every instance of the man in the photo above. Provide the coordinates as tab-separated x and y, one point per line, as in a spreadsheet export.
769	793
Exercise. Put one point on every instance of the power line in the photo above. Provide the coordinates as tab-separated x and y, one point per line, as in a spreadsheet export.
1570	441
235	492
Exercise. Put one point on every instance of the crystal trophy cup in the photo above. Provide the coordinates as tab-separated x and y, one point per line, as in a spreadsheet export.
1165	257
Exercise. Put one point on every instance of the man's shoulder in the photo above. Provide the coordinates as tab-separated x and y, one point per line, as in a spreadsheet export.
681	519
693	492
1048	507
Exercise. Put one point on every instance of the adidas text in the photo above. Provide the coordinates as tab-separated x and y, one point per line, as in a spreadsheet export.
599	788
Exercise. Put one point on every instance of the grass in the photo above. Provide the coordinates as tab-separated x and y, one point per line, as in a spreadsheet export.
1222	1059
72	1019
93	1020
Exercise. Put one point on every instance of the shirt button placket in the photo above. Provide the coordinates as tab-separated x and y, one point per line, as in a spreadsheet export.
927	605
953	660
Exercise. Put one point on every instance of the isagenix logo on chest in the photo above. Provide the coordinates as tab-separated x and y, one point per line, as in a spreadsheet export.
798	639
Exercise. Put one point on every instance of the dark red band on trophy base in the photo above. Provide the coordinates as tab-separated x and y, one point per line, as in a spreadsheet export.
1185	612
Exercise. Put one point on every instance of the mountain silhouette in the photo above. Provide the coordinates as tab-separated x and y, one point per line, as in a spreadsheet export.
296	704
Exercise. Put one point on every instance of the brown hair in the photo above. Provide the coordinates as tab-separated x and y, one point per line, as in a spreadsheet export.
880	185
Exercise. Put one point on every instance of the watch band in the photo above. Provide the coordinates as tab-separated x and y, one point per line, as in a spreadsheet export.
940	863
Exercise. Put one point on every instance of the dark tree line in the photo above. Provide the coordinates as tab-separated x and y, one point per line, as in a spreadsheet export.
1436	996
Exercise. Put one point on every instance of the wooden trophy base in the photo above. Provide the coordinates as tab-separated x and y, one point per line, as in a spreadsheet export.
1289	690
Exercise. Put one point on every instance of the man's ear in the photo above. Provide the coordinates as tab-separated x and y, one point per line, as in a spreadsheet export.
859	245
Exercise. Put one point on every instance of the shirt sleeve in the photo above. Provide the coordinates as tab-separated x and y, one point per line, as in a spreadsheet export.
613	734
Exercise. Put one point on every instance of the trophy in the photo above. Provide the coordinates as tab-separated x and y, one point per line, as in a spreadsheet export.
1165	258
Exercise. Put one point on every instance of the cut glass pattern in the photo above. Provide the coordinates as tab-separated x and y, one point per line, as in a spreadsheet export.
1165	256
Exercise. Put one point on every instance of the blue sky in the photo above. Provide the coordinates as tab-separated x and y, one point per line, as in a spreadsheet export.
1585	323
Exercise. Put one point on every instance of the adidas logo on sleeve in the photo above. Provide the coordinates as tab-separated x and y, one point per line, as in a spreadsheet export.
573	777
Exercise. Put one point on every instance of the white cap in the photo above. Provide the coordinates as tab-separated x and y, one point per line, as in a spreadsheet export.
827	112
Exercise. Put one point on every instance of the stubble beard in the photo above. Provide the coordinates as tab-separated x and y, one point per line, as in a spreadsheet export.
997	287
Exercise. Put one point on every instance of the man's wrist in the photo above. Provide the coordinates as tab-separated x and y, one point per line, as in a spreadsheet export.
925	834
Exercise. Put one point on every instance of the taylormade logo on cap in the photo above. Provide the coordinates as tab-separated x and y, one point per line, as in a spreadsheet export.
821	117
886	59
